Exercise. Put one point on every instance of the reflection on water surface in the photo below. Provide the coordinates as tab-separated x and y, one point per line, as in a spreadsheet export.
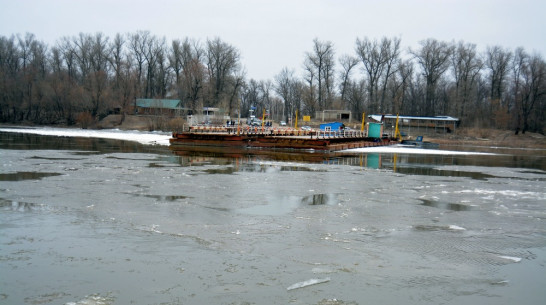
240	158
18	176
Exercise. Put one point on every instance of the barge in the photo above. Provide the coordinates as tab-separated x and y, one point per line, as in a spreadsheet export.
275	138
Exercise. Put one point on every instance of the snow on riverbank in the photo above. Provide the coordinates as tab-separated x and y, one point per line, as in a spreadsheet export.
404	149
147	138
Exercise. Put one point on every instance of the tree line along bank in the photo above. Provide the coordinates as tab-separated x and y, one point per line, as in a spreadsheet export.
89	76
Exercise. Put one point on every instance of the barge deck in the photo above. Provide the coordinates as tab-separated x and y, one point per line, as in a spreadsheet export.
275	138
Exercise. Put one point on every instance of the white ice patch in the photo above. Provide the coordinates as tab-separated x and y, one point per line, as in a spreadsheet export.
321	271
154	229
93	300
508	193
457	228
399	149
308	283
148	138
511	258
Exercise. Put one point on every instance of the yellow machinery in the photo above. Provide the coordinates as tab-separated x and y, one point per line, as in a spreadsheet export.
397	134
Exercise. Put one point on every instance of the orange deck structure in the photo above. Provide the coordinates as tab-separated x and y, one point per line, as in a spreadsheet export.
276	138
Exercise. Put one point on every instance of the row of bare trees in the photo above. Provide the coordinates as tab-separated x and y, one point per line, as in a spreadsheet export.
498	88
93	75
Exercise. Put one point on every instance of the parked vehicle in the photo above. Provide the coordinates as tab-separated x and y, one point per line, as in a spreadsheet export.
282	123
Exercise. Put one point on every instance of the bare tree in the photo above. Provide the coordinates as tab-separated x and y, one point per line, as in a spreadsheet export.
400	83
356	95
222	62
124	76
466	66
137	43
391	52
347	63
82	51
284	86
235	83
250	97
162	82
175	59
497	62
68	52
529	86
310	76
28	73
320	65
370	54
265	93
187	61
63	82
39	70
256	94
433	57
97	80
116	57
154	55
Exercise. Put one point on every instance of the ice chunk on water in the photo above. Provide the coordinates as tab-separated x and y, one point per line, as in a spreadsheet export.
93	300
308	283
454	227
511	258
321	270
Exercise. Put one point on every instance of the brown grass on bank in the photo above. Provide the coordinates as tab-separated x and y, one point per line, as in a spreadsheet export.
490	137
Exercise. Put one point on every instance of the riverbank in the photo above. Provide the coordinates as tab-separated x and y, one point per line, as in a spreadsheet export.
463	136
490	137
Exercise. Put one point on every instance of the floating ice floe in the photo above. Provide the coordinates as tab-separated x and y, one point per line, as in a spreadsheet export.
308	283
154	229
454	227
511	258
94	299
321	270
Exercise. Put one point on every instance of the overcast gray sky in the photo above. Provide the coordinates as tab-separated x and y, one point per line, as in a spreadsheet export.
272	34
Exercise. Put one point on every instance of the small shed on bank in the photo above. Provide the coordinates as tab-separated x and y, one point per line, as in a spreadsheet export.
158	107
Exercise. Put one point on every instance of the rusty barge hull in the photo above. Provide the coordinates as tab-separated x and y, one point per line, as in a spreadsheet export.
275	141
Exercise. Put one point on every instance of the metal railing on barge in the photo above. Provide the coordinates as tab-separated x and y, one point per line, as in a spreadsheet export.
277	131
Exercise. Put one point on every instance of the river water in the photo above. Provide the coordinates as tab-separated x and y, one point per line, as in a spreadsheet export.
91	220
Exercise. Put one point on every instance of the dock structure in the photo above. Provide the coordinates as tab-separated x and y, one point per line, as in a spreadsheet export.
276	138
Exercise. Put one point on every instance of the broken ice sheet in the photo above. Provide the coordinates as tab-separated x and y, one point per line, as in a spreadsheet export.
308	283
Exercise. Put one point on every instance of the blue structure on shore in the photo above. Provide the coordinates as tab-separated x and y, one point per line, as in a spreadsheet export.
333	126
